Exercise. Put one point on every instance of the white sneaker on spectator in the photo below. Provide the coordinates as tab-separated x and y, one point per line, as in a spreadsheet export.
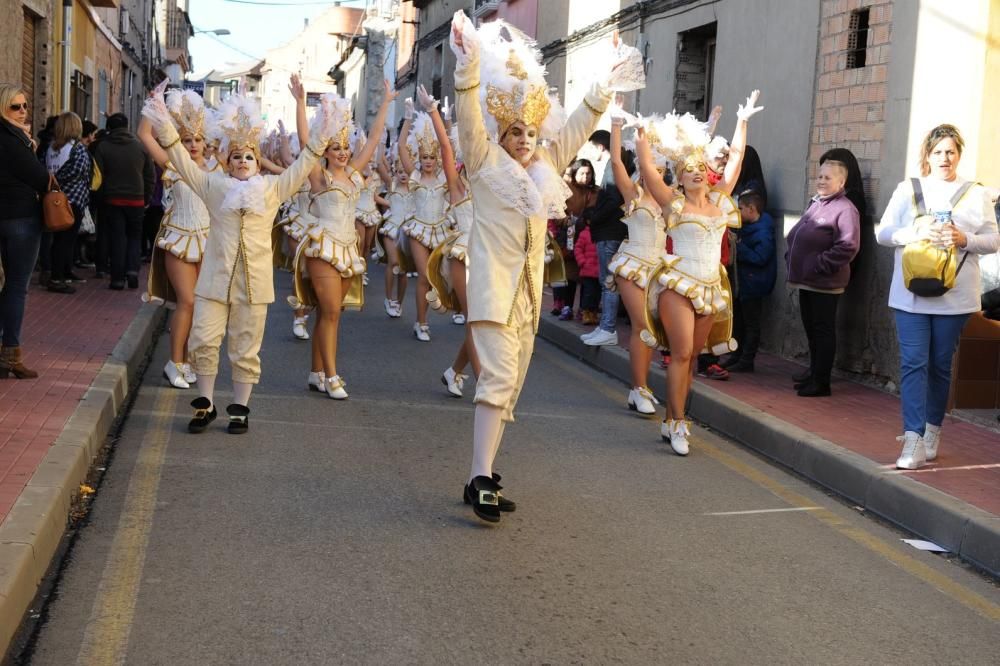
189	374
640	399
932	437
601	338
299	328
913	455
172	371
589	334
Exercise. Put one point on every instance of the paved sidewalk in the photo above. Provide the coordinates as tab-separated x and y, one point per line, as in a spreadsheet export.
846	442
66	339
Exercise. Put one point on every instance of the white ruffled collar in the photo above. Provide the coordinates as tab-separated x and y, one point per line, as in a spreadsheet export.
537	190
246	194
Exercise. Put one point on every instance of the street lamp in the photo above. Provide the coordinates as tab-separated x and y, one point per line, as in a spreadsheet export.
217	31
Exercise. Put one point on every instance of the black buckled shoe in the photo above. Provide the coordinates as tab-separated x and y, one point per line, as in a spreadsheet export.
239	419
485	498
505	504
802	377
204	413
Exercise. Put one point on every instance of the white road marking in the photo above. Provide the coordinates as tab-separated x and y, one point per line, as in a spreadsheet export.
756	511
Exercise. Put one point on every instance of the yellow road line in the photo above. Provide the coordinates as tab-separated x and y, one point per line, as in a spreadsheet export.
912	566
105	639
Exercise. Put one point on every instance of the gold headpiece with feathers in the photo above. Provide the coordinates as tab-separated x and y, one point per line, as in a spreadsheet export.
187	110
523	102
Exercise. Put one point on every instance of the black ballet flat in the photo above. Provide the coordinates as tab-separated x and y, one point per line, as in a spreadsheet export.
239	419
506	505
204	413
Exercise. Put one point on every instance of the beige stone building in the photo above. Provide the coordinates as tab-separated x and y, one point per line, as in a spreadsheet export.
868	75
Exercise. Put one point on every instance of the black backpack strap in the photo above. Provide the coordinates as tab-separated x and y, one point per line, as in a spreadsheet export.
918	197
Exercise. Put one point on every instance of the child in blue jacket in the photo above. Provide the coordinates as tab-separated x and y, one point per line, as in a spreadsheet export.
756	269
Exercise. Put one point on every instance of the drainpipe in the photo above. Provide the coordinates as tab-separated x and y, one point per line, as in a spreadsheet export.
67	44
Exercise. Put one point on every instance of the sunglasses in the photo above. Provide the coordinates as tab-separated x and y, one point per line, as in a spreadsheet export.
19	107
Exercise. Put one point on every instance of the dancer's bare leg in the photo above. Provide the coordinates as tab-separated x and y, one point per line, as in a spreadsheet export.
420	256
639	352
183	276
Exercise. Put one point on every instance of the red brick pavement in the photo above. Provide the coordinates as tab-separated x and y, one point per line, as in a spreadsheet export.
861	419
66	339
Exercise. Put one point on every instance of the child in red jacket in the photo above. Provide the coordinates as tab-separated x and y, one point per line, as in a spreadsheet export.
589	268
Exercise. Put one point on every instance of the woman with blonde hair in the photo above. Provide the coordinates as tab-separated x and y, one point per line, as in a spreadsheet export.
183	234
69	161
22	180
942	210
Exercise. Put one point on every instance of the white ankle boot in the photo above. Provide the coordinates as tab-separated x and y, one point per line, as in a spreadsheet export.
641	400
454	381
932	437
913	455
422	331
175	375
317	381
336	388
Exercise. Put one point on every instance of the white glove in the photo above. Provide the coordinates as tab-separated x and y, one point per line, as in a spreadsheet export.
620	116
408	108
426	99
446	110
745	112
463	40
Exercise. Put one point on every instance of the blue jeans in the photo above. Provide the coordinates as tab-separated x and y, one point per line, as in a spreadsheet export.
926	345
19	239
609	299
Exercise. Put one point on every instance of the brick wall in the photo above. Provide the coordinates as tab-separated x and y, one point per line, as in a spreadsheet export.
849	108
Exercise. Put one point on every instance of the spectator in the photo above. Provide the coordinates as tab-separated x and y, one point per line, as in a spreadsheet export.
152	216
821	246
586	254
127	186
22	179
597	152
756	269
67	158
582	172
604	220
89	133
45	246
928	327
751	177
579	173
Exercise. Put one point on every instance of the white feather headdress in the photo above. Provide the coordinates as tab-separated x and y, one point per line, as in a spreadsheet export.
422	138
333	119
187	110
512	82
237	123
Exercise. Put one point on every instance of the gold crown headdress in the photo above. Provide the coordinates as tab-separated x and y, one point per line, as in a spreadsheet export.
513	86
237	123
187	110
422	139
682	140
334	114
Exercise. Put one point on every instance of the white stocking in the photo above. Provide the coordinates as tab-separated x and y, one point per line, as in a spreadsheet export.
206	387
241	393
486	432
496	444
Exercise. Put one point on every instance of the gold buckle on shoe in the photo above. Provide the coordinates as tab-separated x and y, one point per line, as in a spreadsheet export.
489	497
200	413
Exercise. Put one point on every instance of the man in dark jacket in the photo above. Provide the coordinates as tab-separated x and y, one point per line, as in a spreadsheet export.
607	232
127	181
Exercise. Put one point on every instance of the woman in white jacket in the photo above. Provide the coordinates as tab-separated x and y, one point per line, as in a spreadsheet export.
928	327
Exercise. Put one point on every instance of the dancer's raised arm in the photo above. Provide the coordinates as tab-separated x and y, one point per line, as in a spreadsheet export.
622	179
469	115
456	188
405	158
660	191
737	146
364	156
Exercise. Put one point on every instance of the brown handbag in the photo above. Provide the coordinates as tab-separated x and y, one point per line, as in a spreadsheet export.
56	211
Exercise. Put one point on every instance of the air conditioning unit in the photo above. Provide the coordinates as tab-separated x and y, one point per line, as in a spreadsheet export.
483	7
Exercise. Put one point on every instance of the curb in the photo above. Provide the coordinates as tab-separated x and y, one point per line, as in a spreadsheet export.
966	530
30	535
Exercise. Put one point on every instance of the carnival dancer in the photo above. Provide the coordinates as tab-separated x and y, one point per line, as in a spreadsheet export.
448	282
690	289
637	258
329	250
429	226
235	284
399	202
367	215
180	242
293	221
504	108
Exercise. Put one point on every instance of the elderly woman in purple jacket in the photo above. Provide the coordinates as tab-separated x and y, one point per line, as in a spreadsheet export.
820	248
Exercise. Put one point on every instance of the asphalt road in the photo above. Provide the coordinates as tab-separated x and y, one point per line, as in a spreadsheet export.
334	532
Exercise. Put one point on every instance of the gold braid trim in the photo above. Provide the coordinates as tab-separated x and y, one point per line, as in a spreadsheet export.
317	155
469	89
591	108
172	143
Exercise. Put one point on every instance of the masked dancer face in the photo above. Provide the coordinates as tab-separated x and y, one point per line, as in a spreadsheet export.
520	142
243	164
694	175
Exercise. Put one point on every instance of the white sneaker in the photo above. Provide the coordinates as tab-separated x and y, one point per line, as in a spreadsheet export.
589	334
189	374
932	437
174	374
299	328
335	388
601	338
454	381
913	456
317	382
679	432
458	318
422	331
640	399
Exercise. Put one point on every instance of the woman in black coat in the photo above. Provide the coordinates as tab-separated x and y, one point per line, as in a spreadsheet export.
22	180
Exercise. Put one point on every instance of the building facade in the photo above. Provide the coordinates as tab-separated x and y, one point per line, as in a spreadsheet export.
867	75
